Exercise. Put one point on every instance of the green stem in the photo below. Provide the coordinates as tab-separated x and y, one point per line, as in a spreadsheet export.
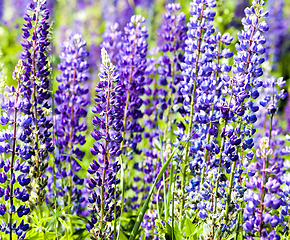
238	225
146	203
230	191
264	176
115	211
164	178
172	209
219	171
69	201
169	188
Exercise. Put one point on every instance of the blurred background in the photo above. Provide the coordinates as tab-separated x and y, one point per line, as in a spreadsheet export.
91	18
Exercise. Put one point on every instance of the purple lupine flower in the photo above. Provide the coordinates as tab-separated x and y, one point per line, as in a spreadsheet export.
71	100
50	4
113	42
230	111
14	147
159	104
1	10
269	158
172	47
132	65
210	96
148	224
239	112
36	89
269	104
103	170
196	67
265	197
203	164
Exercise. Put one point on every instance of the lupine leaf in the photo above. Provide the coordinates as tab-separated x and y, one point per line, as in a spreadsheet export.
232	236
177	233
122	236
189	227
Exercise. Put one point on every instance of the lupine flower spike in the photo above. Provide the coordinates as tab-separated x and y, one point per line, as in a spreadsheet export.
71	100
103	170
36	89
15	147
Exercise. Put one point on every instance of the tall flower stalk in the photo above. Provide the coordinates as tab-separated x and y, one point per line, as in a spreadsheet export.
71	100
17	153
239	112
103	170
132	65
194	68
36	83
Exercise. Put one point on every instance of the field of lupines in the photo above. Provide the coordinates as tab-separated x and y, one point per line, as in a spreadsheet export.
144	120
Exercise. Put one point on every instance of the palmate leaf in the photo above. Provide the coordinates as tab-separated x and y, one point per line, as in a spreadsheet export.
122	236
189	227
177	232
196	233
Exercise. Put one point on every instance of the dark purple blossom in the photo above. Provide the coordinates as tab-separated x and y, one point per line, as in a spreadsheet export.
103	170
132	65
36	89
71	100
15	148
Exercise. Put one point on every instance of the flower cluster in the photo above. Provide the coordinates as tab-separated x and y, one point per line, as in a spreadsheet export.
132	65
265	195
113	42
36	89
186	138
103	170
71	100
172	47
238	113
196	66
15	147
